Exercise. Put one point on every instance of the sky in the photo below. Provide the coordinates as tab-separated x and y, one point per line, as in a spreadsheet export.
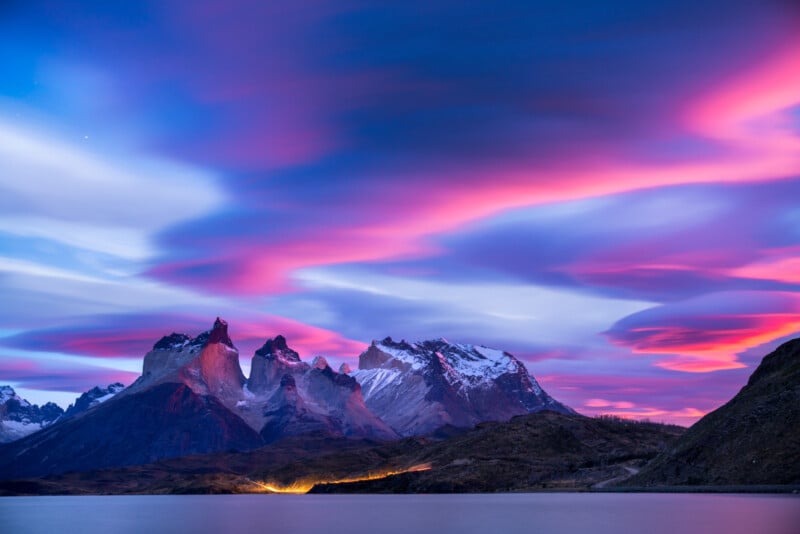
610	190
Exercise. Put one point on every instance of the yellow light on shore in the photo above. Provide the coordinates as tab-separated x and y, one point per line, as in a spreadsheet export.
305	485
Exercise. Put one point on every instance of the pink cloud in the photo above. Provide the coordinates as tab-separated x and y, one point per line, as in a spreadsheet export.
602	403
682	417
669	397
308	340
697	337
747	107
780	265
395	221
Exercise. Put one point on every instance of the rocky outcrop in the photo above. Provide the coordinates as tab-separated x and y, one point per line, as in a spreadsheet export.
208	364
295	398
165	421
271	362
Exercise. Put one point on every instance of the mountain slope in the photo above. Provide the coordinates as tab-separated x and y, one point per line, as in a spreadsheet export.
180	405
543	450
418	387
753	439
166	421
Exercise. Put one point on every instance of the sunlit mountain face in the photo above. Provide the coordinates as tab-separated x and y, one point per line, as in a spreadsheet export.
609	191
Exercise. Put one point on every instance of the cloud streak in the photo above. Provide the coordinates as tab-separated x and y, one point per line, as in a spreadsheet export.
706	334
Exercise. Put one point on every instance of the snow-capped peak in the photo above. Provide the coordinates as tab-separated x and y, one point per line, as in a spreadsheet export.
172	342
446	383
277	349
474	361
99	394
18	417
93	397
7	393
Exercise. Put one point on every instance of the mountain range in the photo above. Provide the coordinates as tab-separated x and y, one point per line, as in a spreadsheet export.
430	416
193	398
19	418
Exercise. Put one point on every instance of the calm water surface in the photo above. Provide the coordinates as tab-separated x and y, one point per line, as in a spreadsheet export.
353	514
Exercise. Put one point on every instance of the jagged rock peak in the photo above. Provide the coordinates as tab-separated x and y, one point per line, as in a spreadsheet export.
345	369
209	362
18	417
277	346
319	362
279	343
270	362
219	333
7	393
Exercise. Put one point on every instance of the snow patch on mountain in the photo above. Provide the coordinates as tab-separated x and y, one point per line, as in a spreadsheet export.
373	380
92	398
19	418
7	393
418	387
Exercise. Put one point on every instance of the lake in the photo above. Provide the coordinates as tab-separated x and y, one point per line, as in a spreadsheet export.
595	513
